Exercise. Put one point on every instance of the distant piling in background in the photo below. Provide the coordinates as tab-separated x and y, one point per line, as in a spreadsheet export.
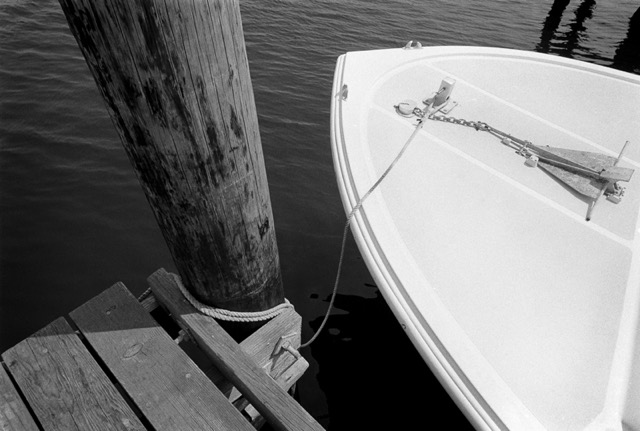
175	78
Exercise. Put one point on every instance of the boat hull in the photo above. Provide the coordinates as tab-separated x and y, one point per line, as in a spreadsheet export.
526	312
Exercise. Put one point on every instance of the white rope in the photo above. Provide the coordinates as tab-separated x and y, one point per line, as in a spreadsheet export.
257	316
352	213
228	315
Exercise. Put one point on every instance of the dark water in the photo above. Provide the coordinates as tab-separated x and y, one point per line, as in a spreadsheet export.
73	219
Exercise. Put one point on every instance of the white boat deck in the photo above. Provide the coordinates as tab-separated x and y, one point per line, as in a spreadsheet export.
526	312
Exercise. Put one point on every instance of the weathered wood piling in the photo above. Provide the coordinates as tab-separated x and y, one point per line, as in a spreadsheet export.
175	78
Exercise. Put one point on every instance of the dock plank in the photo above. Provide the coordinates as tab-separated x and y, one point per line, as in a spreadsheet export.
170	390
260	347
272	401
64	385
14	415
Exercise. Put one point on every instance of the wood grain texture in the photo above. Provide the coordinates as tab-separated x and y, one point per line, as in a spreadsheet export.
14	415
259	346
64	385
272	401
286	380
175	78
169	389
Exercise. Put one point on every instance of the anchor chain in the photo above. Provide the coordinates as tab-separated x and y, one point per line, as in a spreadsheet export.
611	189
478	125
521	145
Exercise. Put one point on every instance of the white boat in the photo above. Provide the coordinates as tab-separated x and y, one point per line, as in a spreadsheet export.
527	312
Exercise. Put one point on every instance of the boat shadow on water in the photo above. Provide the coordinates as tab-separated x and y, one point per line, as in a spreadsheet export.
372	376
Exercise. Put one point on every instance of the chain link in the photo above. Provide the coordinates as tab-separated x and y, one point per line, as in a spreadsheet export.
478	125
520	144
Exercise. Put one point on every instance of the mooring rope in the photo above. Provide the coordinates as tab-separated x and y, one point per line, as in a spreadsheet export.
257	316
229	315
345	232
221	313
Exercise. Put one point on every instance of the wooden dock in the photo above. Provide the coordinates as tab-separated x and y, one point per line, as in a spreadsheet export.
175	79
111	366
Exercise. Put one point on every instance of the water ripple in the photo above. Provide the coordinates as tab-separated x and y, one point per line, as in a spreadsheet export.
74	219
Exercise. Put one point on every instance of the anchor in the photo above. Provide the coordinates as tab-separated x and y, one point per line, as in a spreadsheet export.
590	174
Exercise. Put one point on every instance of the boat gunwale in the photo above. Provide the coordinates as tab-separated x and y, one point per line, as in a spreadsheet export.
477	411
475	407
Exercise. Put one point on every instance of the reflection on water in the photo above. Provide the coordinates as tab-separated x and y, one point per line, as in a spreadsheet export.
577	27
367	348
627	55
565	43
74	219
551	24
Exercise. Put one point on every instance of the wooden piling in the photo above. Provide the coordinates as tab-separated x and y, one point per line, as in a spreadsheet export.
175	79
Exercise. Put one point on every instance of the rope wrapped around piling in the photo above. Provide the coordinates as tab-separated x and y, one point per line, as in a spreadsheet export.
229	315
221	313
